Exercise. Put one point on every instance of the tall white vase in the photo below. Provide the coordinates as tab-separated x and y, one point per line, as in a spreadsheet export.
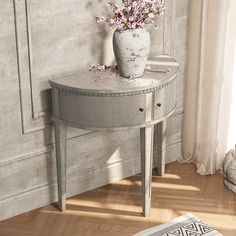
131	48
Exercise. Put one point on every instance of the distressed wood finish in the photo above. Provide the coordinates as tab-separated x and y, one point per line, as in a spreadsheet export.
92	101
106	101
161	143
102	112
61	144
60	140
146	141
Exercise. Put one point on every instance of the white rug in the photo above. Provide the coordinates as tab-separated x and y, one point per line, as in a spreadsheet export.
186	225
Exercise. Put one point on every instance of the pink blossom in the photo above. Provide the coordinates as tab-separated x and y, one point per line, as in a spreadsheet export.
112	21
151	15
134	14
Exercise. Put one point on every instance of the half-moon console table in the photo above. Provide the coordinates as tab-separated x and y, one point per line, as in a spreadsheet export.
102	100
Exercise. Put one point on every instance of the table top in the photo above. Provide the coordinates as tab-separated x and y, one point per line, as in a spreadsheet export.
162	71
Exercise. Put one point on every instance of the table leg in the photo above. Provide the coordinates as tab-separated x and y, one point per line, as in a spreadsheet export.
60	141
146	141
161	142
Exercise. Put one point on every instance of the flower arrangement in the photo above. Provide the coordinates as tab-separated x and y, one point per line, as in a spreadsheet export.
134	14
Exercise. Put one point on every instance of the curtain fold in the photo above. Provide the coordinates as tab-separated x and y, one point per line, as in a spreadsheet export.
208	89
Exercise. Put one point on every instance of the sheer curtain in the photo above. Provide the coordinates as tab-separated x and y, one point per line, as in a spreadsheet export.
210	87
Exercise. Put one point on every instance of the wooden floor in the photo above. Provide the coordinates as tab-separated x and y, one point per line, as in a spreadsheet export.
115	209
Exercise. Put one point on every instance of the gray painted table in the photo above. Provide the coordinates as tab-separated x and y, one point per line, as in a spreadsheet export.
100	101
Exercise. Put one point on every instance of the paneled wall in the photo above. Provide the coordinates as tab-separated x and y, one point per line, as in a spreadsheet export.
46	38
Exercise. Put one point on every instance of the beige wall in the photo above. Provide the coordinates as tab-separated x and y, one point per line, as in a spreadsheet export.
54	37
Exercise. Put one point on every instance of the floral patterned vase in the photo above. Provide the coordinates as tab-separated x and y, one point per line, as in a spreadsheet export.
229	169
131	48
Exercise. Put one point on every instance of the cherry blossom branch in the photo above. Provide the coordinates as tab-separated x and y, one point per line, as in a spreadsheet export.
133	14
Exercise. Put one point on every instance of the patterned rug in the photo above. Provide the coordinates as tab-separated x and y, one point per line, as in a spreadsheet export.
186	225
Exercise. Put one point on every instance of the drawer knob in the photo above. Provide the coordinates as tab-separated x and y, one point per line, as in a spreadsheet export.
141	109
158	104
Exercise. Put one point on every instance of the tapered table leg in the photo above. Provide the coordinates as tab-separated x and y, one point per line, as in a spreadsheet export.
60	136
146	141
161	142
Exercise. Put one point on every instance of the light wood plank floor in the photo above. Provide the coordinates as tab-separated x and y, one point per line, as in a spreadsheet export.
115	209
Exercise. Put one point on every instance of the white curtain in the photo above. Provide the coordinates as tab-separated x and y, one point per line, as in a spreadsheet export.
210	84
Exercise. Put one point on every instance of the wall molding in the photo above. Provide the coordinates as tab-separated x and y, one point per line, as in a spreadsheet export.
30	122
46	149
44	152
168	28
40	187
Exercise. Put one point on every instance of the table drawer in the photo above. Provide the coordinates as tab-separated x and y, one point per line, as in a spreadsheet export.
104	112
164	101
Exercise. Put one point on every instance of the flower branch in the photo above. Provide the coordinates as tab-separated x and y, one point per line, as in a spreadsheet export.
133	14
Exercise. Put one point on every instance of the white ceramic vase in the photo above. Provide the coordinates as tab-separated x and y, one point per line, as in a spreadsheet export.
131	48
